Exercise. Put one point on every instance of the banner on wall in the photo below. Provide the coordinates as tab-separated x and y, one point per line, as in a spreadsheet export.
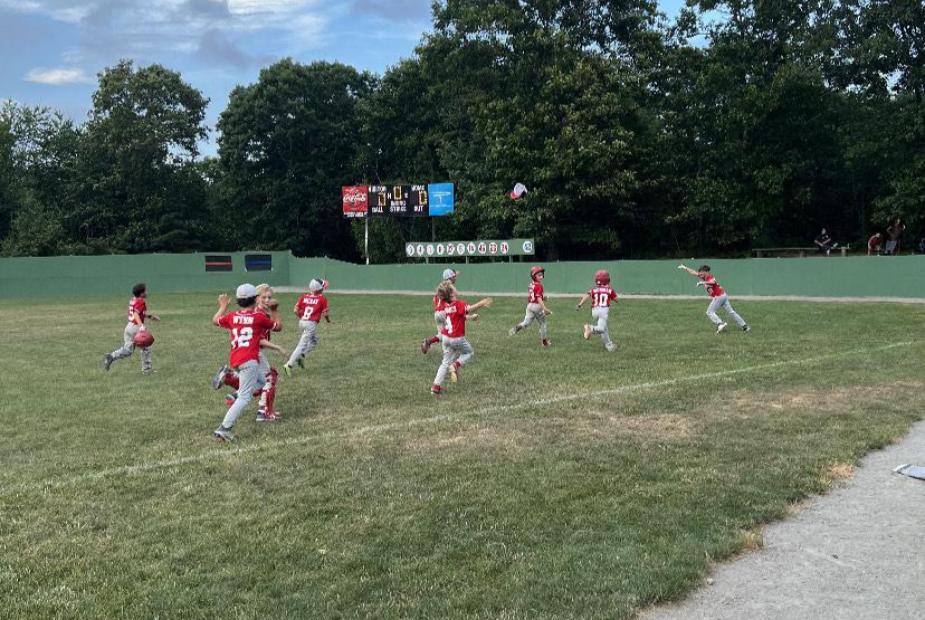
480	247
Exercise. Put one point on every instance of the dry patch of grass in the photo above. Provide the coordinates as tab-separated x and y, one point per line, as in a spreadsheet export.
475	438
746	403
839	471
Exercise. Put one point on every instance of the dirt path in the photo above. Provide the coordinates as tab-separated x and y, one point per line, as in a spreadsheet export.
856	553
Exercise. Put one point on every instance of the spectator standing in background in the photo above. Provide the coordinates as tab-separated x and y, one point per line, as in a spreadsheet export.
894	233
824	242
922	245
875	244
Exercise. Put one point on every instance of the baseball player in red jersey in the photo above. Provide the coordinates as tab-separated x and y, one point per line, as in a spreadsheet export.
719	298
536	308
225	376
310	308
601	296
137	313
449	275
246	327
456	349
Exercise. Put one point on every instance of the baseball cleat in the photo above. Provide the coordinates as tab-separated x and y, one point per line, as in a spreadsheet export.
107	361
544	342
288	370
425	345
219	377
512	331
454	373
301	362
266	417
720	328
436	390
746	328
223	435
587	332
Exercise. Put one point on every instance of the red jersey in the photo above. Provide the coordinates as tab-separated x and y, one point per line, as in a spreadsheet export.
137	304
455	324
437	302
247	327
712	286
535	294
311	307
601	296
276	327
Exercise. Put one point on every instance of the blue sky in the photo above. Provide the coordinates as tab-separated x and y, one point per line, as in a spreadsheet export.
53	49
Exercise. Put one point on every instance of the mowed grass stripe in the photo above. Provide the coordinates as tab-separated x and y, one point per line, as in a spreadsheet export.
275	445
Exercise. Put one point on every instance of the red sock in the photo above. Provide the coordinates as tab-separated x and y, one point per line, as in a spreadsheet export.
232	380
270	390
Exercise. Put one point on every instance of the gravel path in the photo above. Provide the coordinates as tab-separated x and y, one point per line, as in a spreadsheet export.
856	553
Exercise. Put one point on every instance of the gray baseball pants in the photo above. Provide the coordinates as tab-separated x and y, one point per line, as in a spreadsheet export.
128	347
306	343
601	315
723	302
534	313
454	349
252	377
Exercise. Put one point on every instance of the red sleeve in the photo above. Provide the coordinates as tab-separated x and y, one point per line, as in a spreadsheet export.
225	321
300	307
265	322
613	293
324	306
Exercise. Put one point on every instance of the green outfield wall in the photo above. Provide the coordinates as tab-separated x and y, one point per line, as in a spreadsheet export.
862	276
75	276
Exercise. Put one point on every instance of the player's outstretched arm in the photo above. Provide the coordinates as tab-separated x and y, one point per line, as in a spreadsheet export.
223	301
482	303
582	301
266	344
687	269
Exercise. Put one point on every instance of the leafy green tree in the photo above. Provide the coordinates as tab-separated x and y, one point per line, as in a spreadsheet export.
139	192
288	143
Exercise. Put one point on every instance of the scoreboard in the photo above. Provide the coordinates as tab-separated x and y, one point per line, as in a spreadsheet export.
397	200
414	200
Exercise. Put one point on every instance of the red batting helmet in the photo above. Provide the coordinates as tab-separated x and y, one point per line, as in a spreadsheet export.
143	339
535	270
601	277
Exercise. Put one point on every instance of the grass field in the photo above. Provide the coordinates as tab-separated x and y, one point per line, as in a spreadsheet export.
566	482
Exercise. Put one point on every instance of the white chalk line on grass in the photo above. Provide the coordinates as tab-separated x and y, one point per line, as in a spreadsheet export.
234	451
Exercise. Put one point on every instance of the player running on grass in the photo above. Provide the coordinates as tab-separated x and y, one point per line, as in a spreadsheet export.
536	309
225	376
449	275
601	296
137	313
719	298
456	349
310	308
247	327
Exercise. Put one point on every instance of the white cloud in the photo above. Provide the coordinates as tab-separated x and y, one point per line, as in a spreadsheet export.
58	77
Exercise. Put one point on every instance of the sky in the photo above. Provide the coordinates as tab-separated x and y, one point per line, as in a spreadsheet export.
52	50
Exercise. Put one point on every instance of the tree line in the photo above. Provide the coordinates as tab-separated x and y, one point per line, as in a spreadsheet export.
736	124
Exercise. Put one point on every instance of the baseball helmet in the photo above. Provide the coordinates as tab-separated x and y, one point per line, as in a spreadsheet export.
316	285
601	277
143	339
535	270
449	274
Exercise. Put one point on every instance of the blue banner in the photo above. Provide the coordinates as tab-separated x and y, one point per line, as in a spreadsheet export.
440	199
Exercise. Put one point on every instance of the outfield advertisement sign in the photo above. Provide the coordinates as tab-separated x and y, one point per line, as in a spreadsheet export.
414	200
486	247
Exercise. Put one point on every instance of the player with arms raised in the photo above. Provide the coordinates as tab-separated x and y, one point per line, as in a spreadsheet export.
247	326
601	296
457	351
719	298
536	308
